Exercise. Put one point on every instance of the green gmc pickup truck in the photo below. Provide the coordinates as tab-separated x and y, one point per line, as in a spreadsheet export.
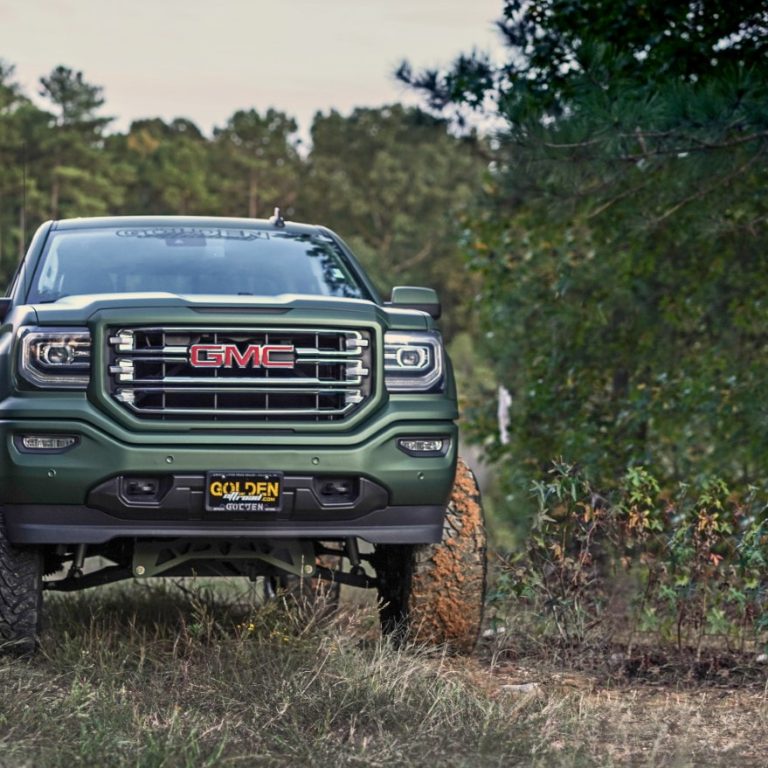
229	397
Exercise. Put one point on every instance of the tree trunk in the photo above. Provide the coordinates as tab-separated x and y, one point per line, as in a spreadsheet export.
253	196
55	191
23	225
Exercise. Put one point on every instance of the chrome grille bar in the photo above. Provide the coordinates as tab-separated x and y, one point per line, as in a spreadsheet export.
229	383
263	390
249	412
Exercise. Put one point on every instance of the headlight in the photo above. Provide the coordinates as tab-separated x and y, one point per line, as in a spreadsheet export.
413	362
59	359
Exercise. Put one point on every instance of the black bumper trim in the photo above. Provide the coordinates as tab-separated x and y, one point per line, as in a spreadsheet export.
72	524
182	500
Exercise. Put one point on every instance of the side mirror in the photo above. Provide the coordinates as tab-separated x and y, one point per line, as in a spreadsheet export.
5	307
410	297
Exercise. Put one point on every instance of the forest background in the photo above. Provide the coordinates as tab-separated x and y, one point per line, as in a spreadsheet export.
601	255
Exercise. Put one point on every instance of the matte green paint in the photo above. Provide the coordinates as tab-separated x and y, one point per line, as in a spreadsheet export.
410	294
113	441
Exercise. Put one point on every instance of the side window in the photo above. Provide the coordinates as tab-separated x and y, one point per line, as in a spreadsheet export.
49	281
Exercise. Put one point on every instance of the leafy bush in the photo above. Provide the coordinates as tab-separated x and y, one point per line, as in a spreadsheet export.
687	568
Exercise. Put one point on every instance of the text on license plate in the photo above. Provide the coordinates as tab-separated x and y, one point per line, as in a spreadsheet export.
244	491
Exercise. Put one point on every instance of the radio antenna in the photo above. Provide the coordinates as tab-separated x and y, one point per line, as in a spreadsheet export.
277	219
23	217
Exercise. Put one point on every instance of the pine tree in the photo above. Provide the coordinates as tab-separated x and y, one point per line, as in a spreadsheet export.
623	239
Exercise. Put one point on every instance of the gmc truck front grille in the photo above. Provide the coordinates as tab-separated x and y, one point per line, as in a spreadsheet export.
260	374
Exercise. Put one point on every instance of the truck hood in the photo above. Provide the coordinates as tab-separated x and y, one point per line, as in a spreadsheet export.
80	310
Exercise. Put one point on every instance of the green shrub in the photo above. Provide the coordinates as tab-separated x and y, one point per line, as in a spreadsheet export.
685	567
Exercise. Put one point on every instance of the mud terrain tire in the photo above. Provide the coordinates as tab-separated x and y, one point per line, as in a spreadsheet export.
21	596
433	594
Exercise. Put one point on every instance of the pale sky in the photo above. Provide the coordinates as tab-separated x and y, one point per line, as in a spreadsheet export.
204	60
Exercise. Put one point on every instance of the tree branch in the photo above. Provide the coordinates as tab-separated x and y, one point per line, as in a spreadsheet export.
421	256
706	190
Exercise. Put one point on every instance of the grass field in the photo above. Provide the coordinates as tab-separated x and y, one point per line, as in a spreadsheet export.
138	676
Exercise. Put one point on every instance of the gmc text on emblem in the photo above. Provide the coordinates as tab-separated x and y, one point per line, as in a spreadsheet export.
230	355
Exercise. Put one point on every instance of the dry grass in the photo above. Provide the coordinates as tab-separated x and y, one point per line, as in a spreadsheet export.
584	722
137	677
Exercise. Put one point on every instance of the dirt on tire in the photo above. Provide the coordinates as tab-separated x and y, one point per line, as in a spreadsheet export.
448	579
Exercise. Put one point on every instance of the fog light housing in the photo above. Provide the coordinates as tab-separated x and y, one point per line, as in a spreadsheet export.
46	443
141	488
336	490
424	446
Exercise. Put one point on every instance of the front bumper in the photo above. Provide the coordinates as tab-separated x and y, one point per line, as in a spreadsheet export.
74	497
36	524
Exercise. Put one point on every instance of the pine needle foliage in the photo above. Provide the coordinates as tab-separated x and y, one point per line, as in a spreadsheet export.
622	235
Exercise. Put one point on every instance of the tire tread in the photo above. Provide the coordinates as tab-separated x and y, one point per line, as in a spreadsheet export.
434	594
20	595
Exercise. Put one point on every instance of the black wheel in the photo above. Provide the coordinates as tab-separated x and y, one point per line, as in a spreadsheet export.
434	593
21	595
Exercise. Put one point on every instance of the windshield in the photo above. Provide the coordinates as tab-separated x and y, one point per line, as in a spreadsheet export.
191	260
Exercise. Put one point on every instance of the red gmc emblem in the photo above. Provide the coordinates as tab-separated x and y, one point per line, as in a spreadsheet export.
229	356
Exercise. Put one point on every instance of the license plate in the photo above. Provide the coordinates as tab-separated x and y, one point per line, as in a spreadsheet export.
243	491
